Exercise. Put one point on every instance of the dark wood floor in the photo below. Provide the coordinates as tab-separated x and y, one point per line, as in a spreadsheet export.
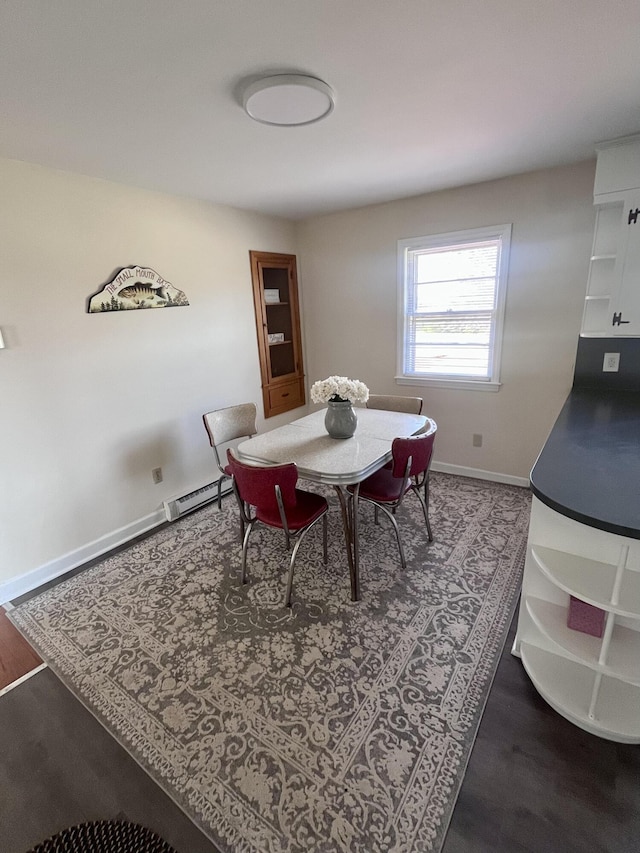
16	655
538	784
59	767
534	784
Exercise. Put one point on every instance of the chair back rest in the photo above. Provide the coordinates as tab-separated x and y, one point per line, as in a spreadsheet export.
390	403
233	422
418	447
256	483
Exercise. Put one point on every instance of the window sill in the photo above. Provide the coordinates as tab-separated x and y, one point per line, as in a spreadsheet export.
460	384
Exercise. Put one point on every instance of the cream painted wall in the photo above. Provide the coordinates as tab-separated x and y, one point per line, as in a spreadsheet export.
348	265
91	403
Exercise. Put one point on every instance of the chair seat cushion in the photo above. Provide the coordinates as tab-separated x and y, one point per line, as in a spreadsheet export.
381	486
309	506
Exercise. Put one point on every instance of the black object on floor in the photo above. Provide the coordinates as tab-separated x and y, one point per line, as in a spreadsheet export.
104	836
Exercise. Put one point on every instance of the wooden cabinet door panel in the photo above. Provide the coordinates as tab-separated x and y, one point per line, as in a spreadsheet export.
284	397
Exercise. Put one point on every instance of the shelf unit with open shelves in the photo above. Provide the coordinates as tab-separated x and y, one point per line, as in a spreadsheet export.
612	303
593	681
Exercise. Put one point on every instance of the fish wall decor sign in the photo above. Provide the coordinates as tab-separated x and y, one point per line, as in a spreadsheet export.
136	287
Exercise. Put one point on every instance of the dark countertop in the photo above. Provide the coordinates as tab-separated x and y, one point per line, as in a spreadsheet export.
589	468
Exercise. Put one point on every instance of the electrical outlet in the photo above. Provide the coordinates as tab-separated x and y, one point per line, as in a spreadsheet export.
611	362
477	439
156	473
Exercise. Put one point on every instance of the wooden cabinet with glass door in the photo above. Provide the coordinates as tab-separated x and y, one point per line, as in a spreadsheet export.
275	296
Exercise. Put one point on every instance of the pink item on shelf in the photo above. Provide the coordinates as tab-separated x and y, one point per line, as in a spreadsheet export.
585	617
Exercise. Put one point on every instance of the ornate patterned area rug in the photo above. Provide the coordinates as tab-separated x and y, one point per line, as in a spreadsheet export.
332	726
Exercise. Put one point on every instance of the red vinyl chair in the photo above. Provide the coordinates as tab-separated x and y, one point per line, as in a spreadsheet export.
268	495
407	472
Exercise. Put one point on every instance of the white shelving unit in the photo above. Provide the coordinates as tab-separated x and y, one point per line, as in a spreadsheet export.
615	257
601	284
594	682
606	707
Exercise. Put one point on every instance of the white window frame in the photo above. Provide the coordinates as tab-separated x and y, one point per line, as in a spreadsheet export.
411	244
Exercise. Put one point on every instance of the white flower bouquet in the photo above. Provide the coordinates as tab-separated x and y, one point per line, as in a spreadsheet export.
339	389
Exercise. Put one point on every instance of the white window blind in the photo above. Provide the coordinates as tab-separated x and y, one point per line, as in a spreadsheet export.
452	298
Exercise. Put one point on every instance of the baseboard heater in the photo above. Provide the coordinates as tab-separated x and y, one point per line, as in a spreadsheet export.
177	507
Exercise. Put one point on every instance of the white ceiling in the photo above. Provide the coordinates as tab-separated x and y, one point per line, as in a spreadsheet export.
429	94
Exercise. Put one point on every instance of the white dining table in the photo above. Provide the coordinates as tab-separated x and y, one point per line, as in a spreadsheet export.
337	462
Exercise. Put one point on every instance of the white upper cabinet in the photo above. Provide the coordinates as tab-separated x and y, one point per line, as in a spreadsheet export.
612	305
617	168
626	298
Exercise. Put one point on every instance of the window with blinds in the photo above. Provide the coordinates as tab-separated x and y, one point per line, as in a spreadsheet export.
452	296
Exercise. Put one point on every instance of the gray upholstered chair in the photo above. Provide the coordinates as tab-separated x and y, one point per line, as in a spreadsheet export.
390	403
225	425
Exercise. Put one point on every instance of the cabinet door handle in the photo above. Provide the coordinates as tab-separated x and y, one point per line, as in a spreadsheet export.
286	395
617	319
633	216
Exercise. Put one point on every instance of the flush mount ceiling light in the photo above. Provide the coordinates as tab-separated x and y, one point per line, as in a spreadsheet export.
288	100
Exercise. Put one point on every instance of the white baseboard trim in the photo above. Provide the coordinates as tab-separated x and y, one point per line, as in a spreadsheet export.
52	570
479	474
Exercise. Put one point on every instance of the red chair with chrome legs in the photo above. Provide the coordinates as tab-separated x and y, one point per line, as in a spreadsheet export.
407	472
268	495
